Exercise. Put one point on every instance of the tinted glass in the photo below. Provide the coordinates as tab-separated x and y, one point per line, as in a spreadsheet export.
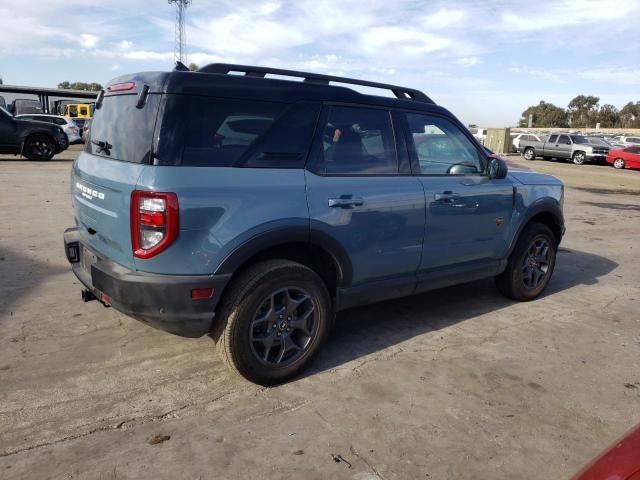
564	140
359	141
59	121
579	139
120	131
633	139
212	132
553	139
441	147
287	143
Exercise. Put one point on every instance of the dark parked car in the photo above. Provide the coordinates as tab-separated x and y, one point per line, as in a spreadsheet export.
34	140
254	208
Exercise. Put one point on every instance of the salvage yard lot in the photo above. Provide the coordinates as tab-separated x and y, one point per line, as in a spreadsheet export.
456	383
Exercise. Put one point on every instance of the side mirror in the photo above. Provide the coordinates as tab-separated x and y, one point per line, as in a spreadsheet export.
497	168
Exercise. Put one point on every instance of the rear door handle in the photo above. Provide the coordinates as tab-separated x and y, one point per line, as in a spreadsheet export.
346	202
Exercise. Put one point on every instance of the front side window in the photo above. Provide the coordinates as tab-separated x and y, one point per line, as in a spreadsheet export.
553	139
359	141
441	147
564	140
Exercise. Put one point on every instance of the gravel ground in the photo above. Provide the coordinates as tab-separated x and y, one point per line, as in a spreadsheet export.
457	383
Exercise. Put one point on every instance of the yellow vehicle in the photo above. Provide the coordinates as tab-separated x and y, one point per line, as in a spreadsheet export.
78	110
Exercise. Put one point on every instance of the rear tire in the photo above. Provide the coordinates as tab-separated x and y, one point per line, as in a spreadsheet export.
579	158
618	163
530	264
529	154
38	147
273	320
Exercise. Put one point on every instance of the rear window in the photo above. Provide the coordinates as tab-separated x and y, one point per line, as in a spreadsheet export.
120	131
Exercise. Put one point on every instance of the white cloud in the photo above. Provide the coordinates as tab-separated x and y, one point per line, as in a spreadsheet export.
614	75
567	13
269	8
88	40
125	44
468	61
444	18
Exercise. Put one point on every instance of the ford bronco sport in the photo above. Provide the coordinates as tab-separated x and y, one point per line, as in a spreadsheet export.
229	202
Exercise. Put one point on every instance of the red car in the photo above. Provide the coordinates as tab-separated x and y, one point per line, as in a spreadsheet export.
628	157
620	462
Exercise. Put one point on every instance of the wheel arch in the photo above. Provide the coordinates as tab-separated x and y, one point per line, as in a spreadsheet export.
546	211
314	249
24	136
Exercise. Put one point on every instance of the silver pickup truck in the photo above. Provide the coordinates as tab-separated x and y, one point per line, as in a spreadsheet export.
574	147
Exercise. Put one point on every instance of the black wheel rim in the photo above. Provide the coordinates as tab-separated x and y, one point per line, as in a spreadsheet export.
536	263
283	327
41	147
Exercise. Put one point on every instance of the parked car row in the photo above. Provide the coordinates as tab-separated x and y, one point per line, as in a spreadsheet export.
68	125
34	140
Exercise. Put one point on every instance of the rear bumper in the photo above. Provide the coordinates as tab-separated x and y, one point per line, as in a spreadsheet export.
596	157
161	301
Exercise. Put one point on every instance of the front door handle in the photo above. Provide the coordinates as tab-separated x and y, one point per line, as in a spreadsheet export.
346	201
448	195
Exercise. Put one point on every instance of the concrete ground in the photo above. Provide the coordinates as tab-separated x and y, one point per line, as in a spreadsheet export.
458	383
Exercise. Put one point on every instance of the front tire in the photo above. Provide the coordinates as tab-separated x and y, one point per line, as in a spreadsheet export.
274	317
530	264
579	158
618	163
39	147
529	154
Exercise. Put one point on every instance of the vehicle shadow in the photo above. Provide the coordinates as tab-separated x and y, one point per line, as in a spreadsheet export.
365	330
19	276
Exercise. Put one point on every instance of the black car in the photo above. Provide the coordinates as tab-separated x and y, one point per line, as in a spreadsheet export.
34	140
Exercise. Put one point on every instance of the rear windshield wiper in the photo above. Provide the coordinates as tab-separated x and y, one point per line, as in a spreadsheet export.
102	146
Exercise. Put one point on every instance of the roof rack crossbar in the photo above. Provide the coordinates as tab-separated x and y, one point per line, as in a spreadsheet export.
313	78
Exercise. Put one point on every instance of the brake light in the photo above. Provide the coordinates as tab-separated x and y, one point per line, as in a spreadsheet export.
119	87
154	222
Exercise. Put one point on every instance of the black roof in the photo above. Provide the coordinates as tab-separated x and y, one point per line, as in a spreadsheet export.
253	83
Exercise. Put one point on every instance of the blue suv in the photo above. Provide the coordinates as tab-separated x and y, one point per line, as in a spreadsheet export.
238	202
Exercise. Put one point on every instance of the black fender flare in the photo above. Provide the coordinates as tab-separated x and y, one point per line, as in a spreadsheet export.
281	235
543	205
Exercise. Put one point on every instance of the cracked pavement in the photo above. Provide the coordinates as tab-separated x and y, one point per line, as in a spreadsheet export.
456	383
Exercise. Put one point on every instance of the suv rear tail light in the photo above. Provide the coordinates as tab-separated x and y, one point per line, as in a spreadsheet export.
154	222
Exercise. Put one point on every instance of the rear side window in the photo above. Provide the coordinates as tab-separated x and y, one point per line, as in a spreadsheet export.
359	141
120	131
212	132
59	121
633	139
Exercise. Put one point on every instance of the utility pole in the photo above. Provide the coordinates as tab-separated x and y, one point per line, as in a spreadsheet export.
180	41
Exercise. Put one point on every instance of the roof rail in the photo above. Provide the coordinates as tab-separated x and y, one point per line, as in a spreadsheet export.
315	78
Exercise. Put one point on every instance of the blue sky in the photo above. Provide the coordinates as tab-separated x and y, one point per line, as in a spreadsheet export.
484	60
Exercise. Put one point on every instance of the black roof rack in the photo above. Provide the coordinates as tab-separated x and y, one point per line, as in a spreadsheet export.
315	78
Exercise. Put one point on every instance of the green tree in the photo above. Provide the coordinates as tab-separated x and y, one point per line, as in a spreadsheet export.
630	115
92	87
193	67
608	116
583	111
545	115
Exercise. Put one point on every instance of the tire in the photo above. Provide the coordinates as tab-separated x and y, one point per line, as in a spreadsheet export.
279	345
38	147
529	154
528	273
579	158
618	163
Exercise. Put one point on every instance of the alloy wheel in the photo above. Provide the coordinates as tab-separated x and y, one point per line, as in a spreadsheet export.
535	265
283	327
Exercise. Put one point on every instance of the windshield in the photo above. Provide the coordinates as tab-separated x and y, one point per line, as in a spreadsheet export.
579	139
